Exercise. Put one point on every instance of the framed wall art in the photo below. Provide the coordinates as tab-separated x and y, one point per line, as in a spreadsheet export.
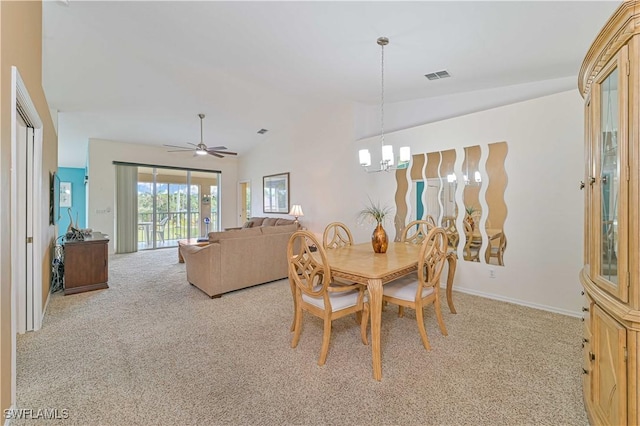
65	194
275	189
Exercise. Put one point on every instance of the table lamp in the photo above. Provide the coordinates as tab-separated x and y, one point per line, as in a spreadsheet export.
296	211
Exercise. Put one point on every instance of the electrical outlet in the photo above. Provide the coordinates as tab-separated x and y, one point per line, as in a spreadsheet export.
492	273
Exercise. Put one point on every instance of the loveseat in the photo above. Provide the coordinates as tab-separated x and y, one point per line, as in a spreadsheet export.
239	258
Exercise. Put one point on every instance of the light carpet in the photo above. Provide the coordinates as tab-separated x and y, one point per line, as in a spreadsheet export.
154	350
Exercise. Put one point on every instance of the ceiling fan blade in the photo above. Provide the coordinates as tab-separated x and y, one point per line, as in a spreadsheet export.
215	154
216	148
176	146
222	152
180	150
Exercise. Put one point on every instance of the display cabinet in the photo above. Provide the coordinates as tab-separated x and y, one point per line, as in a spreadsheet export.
609	81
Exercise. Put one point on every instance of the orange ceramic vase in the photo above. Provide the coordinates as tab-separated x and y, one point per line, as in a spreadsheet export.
379	239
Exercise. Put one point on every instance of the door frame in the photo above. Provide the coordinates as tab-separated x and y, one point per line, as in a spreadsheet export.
20	99
242	185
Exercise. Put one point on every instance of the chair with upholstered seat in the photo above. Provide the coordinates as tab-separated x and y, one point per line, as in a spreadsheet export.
336	235
415	232
311	282
417	292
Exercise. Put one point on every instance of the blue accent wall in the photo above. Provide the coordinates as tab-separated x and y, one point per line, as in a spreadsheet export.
78	199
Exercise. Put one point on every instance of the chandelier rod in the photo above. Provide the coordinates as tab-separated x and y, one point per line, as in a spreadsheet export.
382	41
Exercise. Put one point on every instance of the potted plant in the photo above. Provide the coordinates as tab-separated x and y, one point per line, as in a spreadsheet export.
374	212
470	210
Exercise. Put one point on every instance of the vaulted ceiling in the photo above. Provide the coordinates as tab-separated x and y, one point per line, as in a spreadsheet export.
142	71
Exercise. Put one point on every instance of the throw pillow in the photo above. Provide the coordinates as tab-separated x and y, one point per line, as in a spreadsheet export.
270	221
255	221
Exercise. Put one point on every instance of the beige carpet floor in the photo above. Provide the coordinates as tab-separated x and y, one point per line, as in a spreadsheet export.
154	350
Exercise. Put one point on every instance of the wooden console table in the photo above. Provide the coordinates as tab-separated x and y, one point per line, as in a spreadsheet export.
86	264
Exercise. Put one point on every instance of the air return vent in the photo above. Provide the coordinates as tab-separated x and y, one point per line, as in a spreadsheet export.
438	75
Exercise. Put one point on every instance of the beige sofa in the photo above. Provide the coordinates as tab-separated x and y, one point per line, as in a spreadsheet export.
238	259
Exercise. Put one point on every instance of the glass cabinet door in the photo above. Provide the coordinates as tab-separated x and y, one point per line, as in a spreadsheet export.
588	173
609	188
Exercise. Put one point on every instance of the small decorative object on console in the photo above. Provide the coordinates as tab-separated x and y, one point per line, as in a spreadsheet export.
74	235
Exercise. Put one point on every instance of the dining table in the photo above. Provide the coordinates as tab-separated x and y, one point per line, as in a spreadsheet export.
359	263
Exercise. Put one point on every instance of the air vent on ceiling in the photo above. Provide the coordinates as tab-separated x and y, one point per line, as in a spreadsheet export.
438	75
262	131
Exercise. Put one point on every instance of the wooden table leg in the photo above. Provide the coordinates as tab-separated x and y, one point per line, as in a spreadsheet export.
180	258
452	259
375	304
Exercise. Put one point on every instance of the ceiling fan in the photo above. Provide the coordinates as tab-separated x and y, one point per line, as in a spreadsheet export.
201	148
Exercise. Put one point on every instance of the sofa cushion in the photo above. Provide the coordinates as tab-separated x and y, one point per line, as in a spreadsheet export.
279	229
269	221
256	221
240	233
281	222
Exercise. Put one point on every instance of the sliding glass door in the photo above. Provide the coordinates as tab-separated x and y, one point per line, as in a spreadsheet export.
175	204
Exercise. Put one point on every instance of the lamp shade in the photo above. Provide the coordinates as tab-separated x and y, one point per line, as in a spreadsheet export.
296	210
405	154
387	154
365	157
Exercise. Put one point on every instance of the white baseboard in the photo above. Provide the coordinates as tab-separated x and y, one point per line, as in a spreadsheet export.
516	301
44	310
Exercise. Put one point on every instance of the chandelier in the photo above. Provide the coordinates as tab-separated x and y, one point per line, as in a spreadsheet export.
387	162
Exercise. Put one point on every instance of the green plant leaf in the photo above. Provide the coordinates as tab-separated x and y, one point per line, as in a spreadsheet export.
373	211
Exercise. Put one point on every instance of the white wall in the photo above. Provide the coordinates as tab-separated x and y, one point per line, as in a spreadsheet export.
416	112
102	179
544	223
325	178
544	165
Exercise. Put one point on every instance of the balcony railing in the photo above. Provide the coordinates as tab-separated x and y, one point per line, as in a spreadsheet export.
178	226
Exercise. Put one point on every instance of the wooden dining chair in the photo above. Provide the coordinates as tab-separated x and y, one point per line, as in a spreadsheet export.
336	235
430	219
449	225
311	281
497	250
415	232
418	292
472	246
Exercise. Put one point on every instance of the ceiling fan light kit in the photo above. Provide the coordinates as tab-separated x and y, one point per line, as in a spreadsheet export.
201	148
